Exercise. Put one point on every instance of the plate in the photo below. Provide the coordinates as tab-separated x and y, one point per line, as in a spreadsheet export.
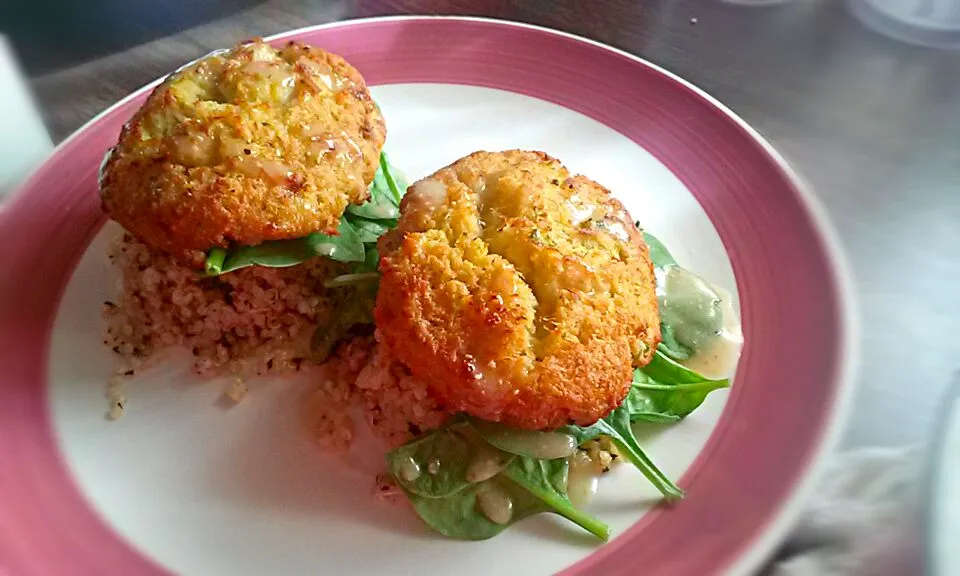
181	485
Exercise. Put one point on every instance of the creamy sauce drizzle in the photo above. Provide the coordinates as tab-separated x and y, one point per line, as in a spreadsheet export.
355	150
583	479
383	211
702	318
409	469
718	359
532	443
325	249
484	467
431	193
277	172
495	504
275	71
194	150
689	305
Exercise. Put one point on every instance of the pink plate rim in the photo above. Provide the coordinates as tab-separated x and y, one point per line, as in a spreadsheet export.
787	260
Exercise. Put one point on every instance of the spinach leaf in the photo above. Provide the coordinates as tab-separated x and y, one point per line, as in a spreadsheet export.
374	210
662	258
386	190
359	228
547	444
392	184
664	390
664	369
365	271
445	462
616	426
530	488
670	345
214	263
371	230
659	254
547	481
345	247
643	408
460	515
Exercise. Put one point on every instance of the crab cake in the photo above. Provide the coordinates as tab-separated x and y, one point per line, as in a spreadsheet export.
245	146
518	292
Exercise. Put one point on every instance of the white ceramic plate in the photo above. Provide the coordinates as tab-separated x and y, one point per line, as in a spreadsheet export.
183	484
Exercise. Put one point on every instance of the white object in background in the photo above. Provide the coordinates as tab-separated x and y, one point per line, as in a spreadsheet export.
863	521
24	142
943	507
934	23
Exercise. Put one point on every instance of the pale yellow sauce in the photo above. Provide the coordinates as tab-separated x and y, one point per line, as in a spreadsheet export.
533	443
483	467
431	192
583	479
409	469
495	504
277	172
194	150
719	357
355	150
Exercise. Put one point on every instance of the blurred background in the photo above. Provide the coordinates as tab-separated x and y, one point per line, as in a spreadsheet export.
862	97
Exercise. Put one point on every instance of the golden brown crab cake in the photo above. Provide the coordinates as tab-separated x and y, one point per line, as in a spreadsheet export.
518	292
249	145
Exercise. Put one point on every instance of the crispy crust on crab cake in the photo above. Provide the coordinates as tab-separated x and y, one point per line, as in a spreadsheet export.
518	292
250	145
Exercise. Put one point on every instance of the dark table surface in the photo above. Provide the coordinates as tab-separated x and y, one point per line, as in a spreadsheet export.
872	124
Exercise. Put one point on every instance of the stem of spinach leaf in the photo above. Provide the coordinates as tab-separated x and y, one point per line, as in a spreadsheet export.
705	386
388	176
215	258
631	450
558	502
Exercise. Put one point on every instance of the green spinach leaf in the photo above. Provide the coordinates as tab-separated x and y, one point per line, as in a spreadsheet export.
345	247
616	426
662	258
670	345
659	254
643	408
530	490
547	481
444	462
372	210
214	263
664	390
359	228
370	230
531	443
392	183
460	515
